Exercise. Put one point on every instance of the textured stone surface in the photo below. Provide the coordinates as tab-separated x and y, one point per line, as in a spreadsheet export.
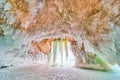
96	23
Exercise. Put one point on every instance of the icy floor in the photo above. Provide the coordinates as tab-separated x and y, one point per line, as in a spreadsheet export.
38	72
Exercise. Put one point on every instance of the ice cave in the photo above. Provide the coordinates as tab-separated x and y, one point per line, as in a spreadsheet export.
59	39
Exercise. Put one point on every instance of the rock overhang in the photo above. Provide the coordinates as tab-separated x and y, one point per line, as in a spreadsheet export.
93	22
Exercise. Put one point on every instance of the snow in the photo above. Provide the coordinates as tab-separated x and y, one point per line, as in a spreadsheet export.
45	72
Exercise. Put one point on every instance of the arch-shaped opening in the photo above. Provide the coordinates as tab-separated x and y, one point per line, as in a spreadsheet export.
66	52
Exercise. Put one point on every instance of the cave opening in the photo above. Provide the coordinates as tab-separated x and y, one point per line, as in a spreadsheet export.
65	52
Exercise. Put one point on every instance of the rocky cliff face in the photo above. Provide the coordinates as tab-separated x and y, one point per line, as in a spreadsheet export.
96	23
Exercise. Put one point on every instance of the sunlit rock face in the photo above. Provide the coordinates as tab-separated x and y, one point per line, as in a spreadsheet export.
27	23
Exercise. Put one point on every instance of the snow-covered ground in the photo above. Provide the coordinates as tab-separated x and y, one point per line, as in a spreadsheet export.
44	72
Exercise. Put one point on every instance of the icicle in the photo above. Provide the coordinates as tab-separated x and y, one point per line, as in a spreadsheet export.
50	55
66	48
55	45
61	51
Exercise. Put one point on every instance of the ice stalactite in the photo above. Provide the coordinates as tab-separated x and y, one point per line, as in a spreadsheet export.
60	54
57	47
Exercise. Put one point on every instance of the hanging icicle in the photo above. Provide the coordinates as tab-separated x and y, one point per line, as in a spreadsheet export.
66	48
59	52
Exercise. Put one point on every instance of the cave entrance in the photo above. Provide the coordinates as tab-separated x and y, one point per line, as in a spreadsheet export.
61	53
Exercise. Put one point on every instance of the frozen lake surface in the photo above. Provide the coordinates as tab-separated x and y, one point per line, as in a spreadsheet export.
42	72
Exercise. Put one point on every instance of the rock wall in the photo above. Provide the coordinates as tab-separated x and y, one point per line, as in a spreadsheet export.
96	23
